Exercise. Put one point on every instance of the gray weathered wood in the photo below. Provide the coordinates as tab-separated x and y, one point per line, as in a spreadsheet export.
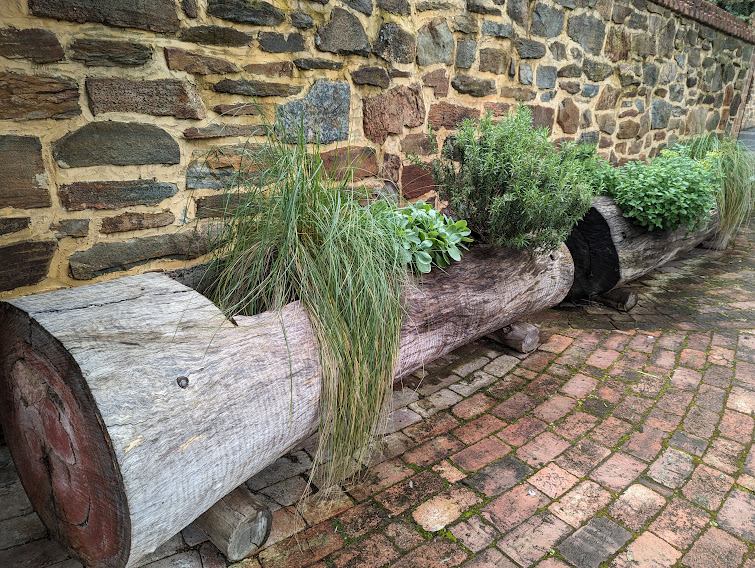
521	336
179	406
622	299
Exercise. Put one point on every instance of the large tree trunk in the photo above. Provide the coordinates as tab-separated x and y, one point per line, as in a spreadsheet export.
610	250
131	406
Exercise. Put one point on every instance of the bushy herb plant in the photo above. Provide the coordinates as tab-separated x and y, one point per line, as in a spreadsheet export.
674	190
511	185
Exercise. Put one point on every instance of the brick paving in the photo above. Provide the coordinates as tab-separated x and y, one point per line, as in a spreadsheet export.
624	441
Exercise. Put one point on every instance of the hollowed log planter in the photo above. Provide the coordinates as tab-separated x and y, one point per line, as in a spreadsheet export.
610	250
132	406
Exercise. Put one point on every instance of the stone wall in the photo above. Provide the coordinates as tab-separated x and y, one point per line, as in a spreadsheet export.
108	109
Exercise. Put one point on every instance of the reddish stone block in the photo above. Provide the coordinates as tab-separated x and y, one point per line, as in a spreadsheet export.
553	481
286	522
443	509
715	549
362	519
514	407
409	492
371	552
523	431
721	356
498	476
662	420
724	454
541	450
663	358
686	379
647	550
576	425
738	515
610	431
718	376
646	444
688	443
433	451
532	540
556	343
492	558
438	552
478	428
635	506
710	397
741	400
481	454
543	386
475	534
318	508
692	358
672	468
538	361
514	507
303	549
436	425
581	503
707	487
555	408
632	408
603	358
583	457
416	180
380	477
672	341
680	523
618	471
403	535
448	471
611	390
472	406
642	342
595	543
579	386
443	114
650	385
675	401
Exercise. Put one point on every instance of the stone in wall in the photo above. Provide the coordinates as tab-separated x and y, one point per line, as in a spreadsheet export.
568	116
606	122
518	11
471	85
494	60
274	42
395	44
302	20
343	35
136	221
323	113
497	109
416	181
254	88
196	63
466	24
546	77
525	73
609	97
618	44
398	7
40	46
25	263
588	31
82	195
104	258
660	113
391	112
214	169
628	129
116	143
190	8
252	12
435	43
224	130
75	228
517	93
155	15
308	64
547	21
28	97
448	115
358	161
237	109
570	71
274	69
23	180
216	35
420	144
529	48
466	53
439	80
480	7
163	97
10	225
106	53
542	116
596	71
216	205
376	76
364	6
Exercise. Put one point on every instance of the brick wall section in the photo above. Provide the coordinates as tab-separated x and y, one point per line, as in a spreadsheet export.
108	111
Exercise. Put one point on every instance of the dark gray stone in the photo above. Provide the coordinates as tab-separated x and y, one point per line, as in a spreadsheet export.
660	113
518	11
589	137
716	83
712	122
494	60
546	77
104	53
280	43
302	20
525	73
155	15
10	225
307	64
104	258
364	6
399	7
23	180
547	96
596	71
620	13
469	85
558	50
571	87
116	143
40	46
82	195
643	44
466	24
254	88
570	71
496	29
637	21
395	44
25	263
323	113
588	31
132	221
435	43
466	53
606	122
343	35
190	8
688	443
590	91
497	477
594	543
570	4
435	5
529	48
376	76
216	35
75	228
479	7
255	12
547	21
650	75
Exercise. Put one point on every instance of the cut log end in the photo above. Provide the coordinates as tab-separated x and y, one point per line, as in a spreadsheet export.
622	299
54	433
520	336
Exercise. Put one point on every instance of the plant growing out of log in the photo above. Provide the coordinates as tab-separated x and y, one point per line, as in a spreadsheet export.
292	232
674	190
735	167
511	184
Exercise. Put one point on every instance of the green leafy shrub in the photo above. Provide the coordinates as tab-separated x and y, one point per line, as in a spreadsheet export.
735	168
511	185
430	238
674	190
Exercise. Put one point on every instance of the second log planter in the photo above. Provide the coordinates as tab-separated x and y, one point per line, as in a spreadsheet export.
610	250
132	406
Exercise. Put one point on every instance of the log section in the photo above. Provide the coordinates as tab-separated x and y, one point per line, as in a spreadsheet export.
132	406
609	250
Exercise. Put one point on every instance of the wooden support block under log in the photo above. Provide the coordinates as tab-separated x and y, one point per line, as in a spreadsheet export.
132	406
609	250
622	299
520	336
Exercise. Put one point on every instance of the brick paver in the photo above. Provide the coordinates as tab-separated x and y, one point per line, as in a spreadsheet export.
624	441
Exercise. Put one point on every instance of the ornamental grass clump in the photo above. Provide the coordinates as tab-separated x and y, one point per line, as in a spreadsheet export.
510	183
292	232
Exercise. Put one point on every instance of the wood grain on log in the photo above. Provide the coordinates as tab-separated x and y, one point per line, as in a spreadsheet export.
132	406
521	336
610	250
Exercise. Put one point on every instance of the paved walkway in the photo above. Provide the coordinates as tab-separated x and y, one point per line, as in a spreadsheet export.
625	440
